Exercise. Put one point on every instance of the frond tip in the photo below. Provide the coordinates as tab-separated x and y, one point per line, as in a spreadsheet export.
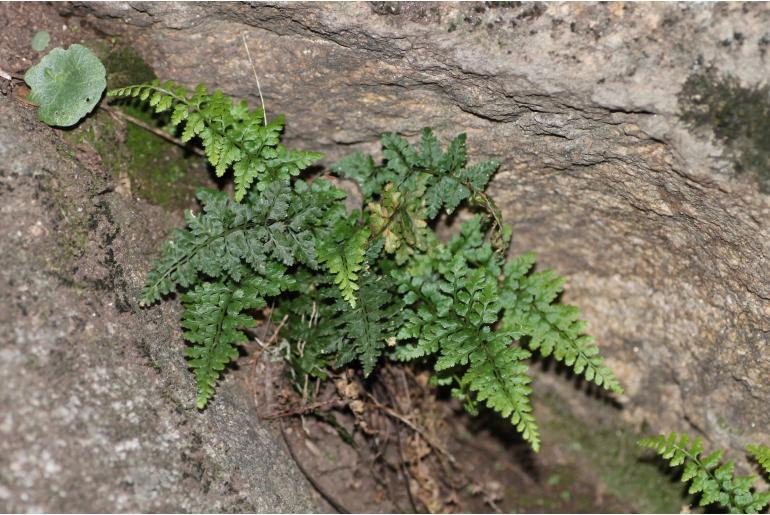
233	137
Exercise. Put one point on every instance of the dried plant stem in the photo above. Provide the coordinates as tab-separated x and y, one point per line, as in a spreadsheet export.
168	137
256	77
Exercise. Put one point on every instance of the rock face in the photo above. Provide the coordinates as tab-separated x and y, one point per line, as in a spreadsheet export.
96	407
631	161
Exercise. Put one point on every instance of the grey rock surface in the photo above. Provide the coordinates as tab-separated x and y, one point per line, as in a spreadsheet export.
665	245
97	409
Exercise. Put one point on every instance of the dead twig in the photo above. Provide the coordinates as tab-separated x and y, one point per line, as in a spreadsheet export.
413	427
257	355
168	137
11	76
256	77
301	410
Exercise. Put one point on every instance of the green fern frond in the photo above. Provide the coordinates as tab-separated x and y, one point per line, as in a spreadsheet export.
365	330
498	373
343	256
453	305
214	321
552	328
229	239
708	476
233	137
361	169
761	453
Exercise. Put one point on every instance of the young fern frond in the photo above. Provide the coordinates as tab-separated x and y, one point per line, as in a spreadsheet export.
344	254
708	476
233	137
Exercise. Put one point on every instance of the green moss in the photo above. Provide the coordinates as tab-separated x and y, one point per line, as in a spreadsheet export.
157	170
738	116
160	171
609	448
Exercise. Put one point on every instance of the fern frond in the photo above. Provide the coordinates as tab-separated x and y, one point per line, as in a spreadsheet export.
344	257
452	308
365	330
228	239
416	182
498	372
552	328
713	480
214	321
323	325
761	453
233	137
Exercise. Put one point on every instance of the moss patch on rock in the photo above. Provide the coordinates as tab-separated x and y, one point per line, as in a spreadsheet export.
155	169
738	116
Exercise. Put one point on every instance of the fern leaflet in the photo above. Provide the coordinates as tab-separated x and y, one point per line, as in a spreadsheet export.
344	256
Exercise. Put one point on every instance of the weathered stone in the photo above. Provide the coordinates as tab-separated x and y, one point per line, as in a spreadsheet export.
97	410
665	246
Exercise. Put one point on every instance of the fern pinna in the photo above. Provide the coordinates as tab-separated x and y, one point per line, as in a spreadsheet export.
364	285
708	476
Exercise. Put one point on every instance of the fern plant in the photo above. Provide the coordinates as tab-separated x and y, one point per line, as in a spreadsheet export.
358	287
709	476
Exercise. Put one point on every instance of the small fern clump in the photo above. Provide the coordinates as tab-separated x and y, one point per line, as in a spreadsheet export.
358	287
709	476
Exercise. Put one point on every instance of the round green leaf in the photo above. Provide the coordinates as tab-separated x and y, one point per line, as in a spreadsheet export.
40	41
66	85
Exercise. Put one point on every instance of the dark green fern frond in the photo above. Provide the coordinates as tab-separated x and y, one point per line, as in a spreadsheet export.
761	453
214	321
415	183
364	332
233	137
227	240
708	476
326	331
